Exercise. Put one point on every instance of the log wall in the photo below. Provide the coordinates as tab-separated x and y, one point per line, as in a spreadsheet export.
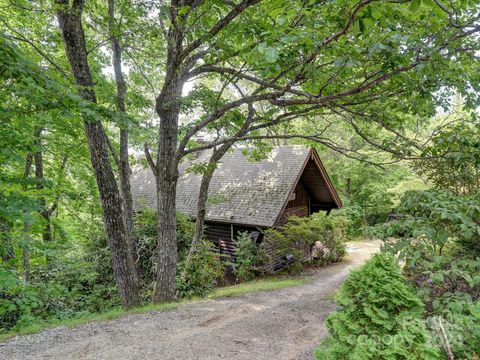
221	235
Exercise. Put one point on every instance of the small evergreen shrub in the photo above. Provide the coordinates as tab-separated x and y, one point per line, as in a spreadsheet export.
379	317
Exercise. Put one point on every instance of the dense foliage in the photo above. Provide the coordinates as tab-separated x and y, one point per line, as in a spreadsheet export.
438	238
435	234
247	256
319	238
452	160
204	272
380	317
78	284
431	220
362	81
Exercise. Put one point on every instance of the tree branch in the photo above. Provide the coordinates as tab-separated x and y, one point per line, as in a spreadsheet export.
219	26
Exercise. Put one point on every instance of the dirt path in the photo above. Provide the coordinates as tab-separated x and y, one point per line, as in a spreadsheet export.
282	324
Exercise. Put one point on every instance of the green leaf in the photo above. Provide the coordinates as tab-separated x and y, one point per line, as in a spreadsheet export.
183	10
271	55
415	5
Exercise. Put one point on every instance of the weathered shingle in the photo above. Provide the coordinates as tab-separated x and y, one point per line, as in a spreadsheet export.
241	191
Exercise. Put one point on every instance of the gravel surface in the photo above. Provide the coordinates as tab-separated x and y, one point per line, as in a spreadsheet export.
281	324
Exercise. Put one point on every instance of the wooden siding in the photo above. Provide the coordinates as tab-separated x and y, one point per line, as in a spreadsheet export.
274	260
301	197
318	189
221	235
298	206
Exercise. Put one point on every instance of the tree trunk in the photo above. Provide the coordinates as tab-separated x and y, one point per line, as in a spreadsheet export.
6	244
70	23
202	201
168	108
26	224
26	251
124	165
40	177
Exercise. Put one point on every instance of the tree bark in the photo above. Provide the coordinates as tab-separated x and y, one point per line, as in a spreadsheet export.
168	108
202	201
26	251
70	23
47	234
26	224
6	243
124	165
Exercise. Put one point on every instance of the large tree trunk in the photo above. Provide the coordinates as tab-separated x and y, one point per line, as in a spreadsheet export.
70	23
166	173
168	109
124	165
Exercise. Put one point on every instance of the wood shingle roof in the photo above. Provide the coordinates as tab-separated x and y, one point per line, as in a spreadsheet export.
241	191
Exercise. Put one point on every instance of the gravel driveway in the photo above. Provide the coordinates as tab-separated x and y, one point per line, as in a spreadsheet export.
281	324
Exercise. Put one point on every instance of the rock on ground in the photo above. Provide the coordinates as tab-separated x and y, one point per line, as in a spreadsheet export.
281	324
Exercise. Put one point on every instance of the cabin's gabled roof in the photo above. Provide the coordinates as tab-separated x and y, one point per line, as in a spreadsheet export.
242	191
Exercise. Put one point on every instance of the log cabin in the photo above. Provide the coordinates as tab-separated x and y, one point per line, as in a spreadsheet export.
246	195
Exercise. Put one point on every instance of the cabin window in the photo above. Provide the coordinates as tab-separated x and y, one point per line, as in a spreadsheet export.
292	197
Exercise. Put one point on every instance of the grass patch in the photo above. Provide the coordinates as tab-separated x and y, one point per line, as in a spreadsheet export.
265	284
73	322
257	286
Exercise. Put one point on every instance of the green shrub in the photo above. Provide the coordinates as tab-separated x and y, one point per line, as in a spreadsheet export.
249	257
460	327
204	271
319	238
431	221
450	289
332	235
146	233
23	304
356	216
72	287
438	237
379	317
